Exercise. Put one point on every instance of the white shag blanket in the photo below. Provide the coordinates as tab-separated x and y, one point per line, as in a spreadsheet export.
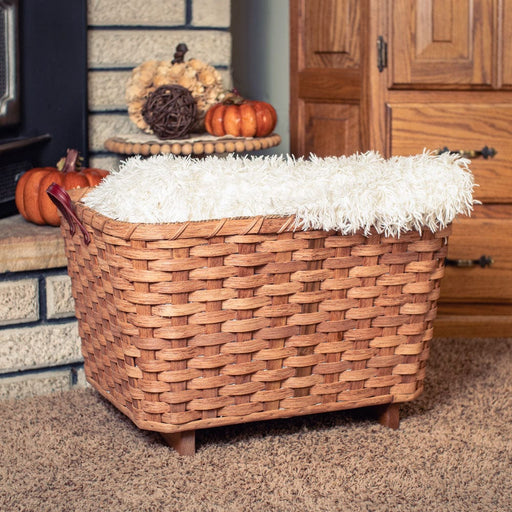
341	193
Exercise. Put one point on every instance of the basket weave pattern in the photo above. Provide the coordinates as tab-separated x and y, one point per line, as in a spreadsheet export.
194	325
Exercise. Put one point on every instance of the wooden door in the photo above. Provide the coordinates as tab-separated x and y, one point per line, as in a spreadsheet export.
505	80
441	43
325	72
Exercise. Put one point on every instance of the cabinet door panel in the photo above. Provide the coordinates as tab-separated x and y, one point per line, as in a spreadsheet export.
441	42
507	43
331	129
458	126
331	33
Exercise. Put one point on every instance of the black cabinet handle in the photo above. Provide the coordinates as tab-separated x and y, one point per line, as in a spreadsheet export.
483	261
486	152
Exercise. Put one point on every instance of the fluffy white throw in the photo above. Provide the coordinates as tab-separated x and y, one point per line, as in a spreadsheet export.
341	193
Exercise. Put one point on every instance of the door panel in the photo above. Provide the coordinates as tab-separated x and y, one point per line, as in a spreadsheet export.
507	44
441	42
332	29
331	130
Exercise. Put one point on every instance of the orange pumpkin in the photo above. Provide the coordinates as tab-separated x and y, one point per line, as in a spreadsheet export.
31	199
241	118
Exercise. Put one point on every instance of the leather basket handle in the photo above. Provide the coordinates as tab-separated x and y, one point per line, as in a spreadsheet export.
61	199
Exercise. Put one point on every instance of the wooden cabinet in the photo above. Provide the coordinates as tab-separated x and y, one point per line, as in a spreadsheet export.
399	76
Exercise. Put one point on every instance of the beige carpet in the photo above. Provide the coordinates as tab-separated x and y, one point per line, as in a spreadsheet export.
453	452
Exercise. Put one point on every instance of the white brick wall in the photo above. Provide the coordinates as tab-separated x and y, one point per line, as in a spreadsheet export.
211	13
128	48
19	301
39	344
124	33
107	90
59	298
136	12
21	386
103	126
42	383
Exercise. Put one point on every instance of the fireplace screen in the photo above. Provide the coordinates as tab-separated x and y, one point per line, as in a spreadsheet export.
9	101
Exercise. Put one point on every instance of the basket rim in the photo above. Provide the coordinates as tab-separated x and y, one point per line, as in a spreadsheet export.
255	225
229	226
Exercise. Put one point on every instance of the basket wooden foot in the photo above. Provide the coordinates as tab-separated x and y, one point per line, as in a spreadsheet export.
389	415
183	442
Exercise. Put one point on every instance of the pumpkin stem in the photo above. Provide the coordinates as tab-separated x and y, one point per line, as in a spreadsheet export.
179	54
233	97
70	163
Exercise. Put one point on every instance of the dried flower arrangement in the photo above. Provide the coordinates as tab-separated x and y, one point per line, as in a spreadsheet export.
202	80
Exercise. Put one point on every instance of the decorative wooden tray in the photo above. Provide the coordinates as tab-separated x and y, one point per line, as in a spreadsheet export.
196	145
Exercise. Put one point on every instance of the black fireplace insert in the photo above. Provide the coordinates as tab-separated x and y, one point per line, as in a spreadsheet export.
43	87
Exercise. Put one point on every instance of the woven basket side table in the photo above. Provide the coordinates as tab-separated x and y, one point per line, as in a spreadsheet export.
194	325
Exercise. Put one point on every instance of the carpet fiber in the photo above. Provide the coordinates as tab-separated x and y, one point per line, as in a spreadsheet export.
452	452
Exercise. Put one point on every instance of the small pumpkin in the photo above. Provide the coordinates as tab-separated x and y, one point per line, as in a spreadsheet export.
239	117
31	199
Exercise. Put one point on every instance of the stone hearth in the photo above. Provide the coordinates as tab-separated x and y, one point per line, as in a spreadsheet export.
39	343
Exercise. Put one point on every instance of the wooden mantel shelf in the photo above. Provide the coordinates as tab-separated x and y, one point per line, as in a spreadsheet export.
26	246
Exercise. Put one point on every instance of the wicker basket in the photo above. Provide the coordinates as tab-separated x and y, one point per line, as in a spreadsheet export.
201	324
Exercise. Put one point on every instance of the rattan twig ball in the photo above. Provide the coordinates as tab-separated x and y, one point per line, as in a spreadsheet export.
170	111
